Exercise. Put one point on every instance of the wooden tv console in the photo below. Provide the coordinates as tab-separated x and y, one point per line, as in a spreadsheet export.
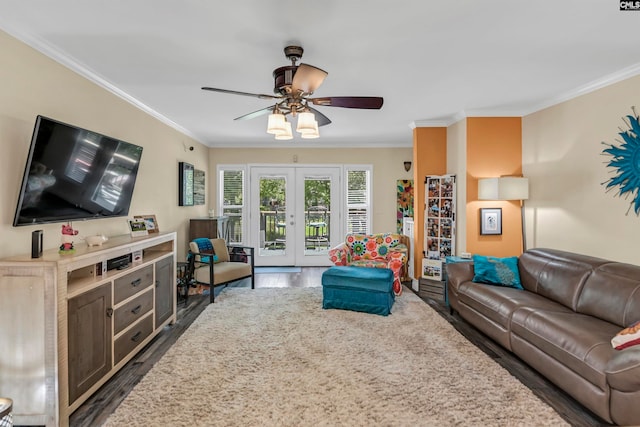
67	324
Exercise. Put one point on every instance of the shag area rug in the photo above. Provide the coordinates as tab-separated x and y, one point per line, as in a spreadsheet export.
274	357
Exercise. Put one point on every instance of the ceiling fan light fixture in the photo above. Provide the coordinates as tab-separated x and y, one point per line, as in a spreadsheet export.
276	124
288	134
311	135
307	123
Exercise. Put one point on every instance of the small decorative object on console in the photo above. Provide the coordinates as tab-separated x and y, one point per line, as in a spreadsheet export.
96	240
66	247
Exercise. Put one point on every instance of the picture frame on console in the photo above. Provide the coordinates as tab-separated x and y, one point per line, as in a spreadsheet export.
491	221
150	222
137	227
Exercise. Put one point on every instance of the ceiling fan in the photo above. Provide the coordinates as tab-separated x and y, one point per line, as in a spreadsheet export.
294	85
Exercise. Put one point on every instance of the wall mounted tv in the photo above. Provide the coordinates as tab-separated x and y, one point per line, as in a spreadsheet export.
75	174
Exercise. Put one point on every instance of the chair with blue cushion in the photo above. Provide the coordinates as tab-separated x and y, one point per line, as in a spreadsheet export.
213	263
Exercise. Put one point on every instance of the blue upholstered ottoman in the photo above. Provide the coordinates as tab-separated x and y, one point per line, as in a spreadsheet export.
358	289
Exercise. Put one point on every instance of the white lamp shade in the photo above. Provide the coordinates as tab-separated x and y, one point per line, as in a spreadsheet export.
276	124
311	135
306	123
503	188
285	135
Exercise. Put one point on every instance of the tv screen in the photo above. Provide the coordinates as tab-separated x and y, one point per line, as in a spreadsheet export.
75	174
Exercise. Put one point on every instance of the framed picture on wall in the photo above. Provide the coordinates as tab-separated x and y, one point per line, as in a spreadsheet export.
198	187
185	184
490	221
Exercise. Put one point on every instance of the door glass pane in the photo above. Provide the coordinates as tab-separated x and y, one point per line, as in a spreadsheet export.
273	221
317	202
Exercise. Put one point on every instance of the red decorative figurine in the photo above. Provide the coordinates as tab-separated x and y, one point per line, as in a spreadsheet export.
67	239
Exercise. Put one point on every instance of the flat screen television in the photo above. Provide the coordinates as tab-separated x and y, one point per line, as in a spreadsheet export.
75	174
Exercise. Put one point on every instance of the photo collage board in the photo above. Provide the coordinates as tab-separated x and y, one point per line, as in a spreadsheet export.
439	232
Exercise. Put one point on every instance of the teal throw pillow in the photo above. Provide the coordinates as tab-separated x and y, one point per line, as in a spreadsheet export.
497	271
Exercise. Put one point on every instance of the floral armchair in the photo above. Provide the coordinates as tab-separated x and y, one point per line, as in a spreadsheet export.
383	250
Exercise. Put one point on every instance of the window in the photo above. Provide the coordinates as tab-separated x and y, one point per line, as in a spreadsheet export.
231	181
358	199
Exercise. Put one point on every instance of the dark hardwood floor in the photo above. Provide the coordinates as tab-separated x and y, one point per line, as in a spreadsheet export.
97	409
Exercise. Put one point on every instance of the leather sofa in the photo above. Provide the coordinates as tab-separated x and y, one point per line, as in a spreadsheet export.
562	324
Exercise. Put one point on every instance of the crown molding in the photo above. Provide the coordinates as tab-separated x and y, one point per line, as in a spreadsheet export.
84	71
592	86
439	123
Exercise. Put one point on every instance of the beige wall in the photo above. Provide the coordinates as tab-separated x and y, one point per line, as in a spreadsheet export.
562	156
388	167
32	84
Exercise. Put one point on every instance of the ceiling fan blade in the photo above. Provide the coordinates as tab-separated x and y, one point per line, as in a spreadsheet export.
235	92
320	118
255	114
366	102
307	78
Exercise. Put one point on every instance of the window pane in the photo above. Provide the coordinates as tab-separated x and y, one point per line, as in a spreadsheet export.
357	199
232	182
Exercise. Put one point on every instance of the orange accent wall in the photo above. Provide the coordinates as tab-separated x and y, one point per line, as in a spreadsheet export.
494	148
429	158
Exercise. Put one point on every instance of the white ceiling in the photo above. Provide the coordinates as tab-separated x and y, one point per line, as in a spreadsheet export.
433	61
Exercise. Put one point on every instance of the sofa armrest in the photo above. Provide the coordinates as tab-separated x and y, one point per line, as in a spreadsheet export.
623	370
340	254
459	272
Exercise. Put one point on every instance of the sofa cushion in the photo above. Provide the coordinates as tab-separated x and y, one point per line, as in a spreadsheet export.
498	303
496	271
555	274
580	342
612	293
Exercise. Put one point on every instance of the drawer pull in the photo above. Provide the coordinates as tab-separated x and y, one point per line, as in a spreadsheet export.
136	282
136	337
137	309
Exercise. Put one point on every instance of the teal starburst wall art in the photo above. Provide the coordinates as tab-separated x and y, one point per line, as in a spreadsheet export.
625	163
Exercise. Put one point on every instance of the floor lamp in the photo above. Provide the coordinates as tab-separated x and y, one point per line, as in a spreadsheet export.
506	188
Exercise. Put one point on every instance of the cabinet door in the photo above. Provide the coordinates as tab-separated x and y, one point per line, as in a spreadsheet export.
89	324
165	290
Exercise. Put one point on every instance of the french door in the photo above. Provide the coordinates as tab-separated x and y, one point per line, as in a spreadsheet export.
295	214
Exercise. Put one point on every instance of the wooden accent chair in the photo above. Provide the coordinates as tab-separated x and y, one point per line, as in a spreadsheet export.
217	263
